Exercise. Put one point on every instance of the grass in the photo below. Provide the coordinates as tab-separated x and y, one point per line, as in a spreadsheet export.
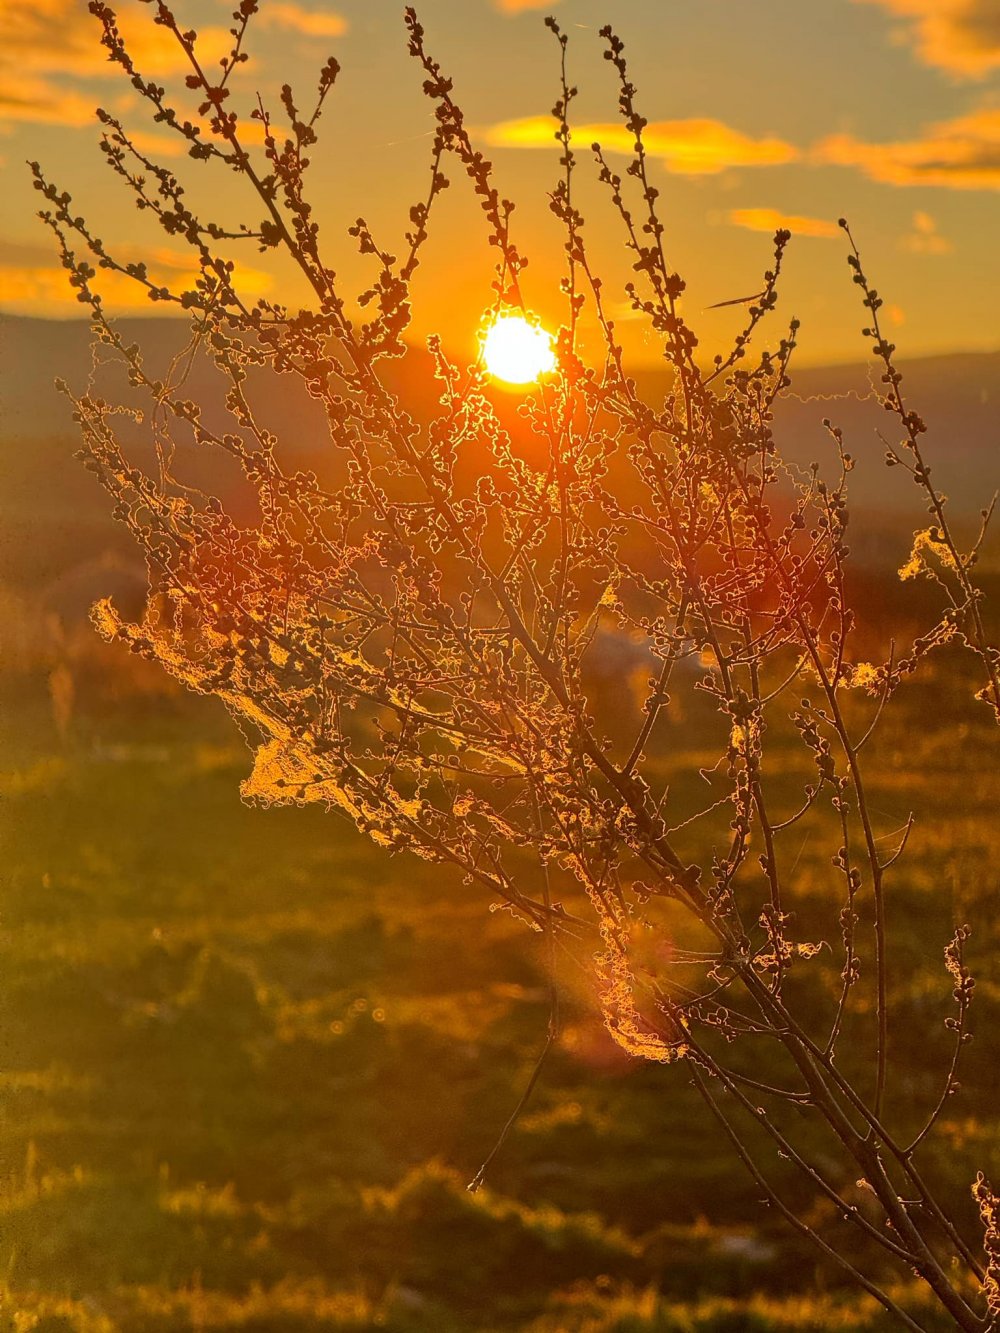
250	1064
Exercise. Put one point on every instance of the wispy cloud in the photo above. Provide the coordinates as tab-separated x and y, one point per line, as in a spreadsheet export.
50	47
60	36
40	101
924	237
696	147
155	146
296	18
960	36
31	282
771	219
34	254
520	6
959	154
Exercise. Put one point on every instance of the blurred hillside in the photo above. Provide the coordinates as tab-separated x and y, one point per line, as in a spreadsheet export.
56	515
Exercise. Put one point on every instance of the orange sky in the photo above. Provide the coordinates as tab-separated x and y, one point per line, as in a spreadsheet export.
764	114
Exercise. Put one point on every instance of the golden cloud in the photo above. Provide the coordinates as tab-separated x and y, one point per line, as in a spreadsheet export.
155	146
520	6
42	288
959	154
697	147
35	254
961	36
925	239
309	22
60	36
26	97
46	43
772	219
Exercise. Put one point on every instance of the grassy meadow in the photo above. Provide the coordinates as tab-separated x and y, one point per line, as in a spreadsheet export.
250	1065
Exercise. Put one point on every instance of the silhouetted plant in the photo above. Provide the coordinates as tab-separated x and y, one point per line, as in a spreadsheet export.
407	638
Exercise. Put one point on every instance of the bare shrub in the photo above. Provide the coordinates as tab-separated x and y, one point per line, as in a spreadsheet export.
411	638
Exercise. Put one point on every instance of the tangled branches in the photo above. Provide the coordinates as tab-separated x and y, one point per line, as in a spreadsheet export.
409	635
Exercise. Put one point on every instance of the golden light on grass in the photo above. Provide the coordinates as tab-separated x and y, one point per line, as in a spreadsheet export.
517	351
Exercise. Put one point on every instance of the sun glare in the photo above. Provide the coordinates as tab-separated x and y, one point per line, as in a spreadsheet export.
517	351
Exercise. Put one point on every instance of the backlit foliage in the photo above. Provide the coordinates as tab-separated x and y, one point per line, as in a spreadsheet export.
411	634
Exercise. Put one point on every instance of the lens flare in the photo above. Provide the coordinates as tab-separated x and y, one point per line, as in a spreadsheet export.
517	351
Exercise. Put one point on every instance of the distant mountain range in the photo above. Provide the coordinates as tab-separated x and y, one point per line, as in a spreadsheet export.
52	507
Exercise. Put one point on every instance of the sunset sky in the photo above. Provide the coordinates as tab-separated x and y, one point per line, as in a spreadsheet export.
764	114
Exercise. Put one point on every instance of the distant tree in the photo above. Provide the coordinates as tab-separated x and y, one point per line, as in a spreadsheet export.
407	638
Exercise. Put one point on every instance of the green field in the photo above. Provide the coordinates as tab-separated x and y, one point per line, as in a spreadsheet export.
250	1064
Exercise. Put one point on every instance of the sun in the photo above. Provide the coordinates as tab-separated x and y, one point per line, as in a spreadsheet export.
516	350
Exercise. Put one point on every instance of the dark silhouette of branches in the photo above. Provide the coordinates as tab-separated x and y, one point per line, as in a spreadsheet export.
408	637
